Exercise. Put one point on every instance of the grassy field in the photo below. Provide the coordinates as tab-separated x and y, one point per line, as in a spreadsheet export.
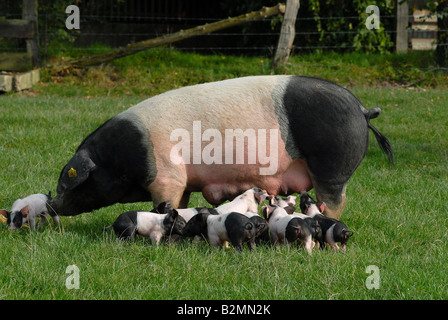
399	215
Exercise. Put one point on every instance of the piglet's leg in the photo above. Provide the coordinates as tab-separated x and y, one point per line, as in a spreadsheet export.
252	244
32	223
43	219
56	220
155	238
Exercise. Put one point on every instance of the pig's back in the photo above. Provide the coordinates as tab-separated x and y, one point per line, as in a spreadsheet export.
247	102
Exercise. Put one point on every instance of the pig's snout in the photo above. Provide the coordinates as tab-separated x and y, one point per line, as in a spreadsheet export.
53	205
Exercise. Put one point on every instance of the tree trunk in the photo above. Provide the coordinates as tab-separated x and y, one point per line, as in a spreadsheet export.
287	33
441	53
29	13
402	25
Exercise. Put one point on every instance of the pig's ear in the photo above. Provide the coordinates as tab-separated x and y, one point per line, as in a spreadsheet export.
76	171
267	210
290	209
173	215
321	206
25	210
203	218
271	200
3	212
291	200
260	195
161	207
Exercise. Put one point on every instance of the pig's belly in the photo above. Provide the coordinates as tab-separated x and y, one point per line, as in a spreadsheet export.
219	183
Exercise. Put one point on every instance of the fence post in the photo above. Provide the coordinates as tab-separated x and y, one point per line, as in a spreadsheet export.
402	24
29	12
287	33
441	53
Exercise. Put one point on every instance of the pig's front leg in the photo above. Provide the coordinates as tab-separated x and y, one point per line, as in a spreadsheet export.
309	245
274	239
238	246
185	200
171	180
252	244
32	223
155	238
167	190
334	246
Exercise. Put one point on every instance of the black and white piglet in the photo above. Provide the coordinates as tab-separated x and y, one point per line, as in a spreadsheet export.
287	228
282	202
261	227
26	210
333	231
154	225
219	228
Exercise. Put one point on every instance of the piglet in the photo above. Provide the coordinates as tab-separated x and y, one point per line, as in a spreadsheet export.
282	202
287	228
219	228
188	213
26	210
310	207
154	225
261	227
333	231
247	201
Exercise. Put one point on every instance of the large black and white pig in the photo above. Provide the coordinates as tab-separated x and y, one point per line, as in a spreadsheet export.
284	134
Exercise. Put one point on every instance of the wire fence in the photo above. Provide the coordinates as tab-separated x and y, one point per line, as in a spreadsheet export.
99	31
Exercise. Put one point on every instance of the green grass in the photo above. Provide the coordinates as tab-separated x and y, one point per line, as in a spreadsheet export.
155	71
399	215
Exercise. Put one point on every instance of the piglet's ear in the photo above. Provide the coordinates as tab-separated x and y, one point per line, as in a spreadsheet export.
267	210
260	195
25	210
321	205
161	207
291	200
348	233
3	212
172	215
271	200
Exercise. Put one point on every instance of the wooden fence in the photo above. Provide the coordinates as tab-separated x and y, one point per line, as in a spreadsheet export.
25	28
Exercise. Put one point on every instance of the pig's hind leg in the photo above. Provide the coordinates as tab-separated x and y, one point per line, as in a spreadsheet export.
43	219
